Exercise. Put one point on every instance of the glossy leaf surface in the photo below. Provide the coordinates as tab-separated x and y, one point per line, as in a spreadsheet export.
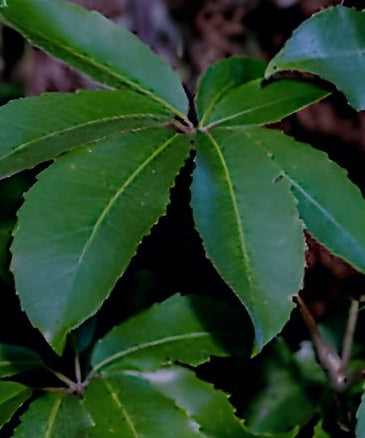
36	129
330	44
54	415
254	104
223	76
332	207
249	225
12	397
83	221
128	406
98	47
14	360
188	329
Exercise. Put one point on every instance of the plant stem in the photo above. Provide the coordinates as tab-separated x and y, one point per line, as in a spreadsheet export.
349	334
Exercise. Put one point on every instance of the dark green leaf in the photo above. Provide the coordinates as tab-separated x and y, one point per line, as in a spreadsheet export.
254	104
54	415
36	129
130	407
221	77
188	329
14	360
96	46
360	427
283	399
82	222
248	221
12	397
332	208
330	44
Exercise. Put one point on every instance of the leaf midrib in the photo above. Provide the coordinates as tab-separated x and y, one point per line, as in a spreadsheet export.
118	194
120	405
155	343
240	228
52	416
101	66
76	127
248	111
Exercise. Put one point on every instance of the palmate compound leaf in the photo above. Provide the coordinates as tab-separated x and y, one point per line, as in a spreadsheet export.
82	222
188	329
318	46
223	76
330	205
250	227
98	47
15	360
36	129
12	397
55	415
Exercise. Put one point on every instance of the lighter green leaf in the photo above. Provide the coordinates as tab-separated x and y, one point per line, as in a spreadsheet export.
319	432
249	225
130	407
332	207
209	407
12	397
330	44
83	221
54	415
98	47
14	360
36	129
254	104
221	77
188	329
360	426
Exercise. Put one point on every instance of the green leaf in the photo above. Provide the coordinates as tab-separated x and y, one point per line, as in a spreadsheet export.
12	397
283	399
223	76
254	104
209	407
54	415
332	207
3	3
36	129
188	329
91	43
360	426
15	360
129	407
330	44
82	222
249	225
320	433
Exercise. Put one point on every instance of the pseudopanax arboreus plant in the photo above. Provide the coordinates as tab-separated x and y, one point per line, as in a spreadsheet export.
115	155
